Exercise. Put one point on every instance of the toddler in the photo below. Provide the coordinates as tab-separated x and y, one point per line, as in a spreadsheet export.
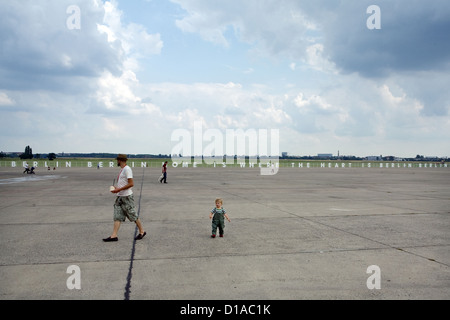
217	215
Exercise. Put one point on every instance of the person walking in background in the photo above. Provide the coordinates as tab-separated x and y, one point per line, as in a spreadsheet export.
164	172
124	205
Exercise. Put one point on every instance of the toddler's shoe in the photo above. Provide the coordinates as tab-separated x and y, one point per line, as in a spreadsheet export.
213	236
221	236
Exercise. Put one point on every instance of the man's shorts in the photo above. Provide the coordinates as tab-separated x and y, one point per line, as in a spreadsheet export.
124	208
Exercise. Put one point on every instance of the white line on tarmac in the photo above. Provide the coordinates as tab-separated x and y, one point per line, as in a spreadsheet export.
29	179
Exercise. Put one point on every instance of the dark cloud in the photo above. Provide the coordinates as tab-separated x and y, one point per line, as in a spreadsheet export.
414	36
39	51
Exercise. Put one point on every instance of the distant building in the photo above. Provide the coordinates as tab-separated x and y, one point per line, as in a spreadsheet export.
284	154
375	158
325	155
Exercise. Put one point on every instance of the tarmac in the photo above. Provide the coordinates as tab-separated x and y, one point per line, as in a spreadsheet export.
302	234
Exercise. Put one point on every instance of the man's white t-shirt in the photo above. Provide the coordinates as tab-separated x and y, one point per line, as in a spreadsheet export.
122	180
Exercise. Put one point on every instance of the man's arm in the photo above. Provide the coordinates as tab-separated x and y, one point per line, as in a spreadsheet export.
129	185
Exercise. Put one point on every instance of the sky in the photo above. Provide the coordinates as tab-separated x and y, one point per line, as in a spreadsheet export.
125	76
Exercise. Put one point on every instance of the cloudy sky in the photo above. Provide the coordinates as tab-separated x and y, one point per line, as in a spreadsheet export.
121	76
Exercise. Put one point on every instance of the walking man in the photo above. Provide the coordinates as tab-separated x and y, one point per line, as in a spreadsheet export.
164	172
124	204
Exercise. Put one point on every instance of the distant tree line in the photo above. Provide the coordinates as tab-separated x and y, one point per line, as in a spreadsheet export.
354	158
28	154
112	155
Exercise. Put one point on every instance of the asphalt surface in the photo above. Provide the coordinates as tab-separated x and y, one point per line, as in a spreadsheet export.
302	234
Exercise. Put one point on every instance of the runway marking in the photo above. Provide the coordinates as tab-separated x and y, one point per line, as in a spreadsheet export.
339	209
126	294
30	178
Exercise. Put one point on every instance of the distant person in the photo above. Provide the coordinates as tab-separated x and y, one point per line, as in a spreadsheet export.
124	204
164	172
217	215
26	168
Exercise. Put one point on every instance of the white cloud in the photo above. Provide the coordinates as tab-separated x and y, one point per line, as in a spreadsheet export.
115	93
315	59
186	118
134	39
5	100
272	116
277	27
